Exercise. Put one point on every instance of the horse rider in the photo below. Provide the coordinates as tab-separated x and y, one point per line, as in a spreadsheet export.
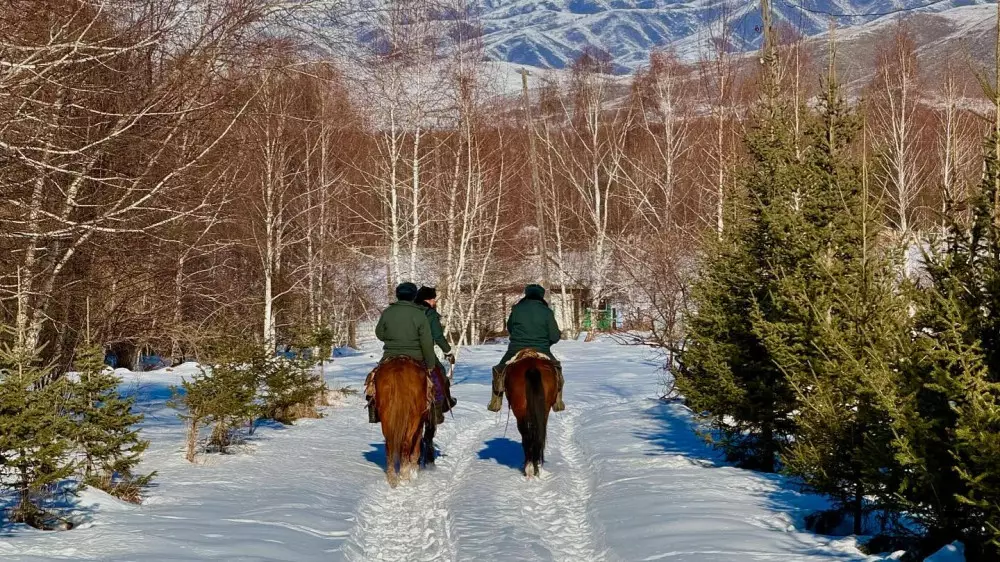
532	324
427	299
404	330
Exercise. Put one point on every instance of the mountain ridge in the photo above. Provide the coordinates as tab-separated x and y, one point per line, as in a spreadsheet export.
553	33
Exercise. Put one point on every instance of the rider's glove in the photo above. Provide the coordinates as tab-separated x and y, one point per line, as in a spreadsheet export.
450	357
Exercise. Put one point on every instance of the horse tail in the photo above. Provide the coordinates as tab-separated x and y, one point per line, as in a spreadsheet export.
535	396
396	412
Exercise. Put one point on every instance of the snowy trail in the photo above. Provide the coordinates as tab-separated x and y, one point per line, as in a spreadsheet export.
555	507
385	529
624	479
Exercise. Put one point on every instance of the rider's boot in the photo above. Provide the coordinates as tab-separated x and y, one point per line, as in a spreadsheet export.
372	411
559	406
496	401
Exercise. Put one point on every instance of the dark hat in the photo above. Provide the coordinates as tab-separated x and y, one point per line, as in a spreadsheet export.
534	292
406	291
426	293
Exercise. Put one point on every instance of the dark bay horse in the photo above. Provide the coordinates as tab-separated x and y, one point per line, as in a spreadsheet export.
530	386
403	401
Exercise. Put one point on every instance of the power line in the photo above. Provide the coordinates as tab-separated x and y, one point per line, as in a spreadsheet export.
864	15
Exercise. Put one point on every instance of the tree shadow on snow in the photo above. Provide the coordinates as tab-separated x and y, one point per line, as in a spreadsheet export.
504	451
6	503
672	432
64	511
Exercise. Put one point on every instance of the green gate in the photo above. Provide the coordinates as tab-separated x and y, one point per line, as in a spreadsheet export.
604	317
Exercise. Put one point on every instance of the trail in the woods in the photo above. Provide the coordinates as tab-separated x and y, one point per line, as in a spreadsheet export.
625	479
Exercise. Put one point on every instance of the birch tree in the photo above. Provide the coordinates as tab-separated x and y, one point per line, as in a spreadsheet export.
403	98
473	185
108	122
957	146
718	75
662	96
591	160
282	196
897	130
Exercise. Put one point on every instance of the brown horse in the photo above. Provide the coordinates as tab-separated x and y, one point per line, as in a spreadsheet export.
401	396
530	385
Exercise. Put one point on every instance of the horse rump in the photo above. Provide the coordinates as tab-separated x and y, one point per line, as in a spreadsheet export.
401	398
531	391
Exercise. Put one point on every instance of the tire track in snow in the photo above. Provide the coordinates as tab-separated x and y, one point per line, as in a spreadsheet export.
556	506
412	522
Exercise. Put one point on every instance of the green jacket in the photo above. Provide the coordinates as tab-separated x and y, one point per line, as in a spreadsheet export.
532	324
437	330
405	330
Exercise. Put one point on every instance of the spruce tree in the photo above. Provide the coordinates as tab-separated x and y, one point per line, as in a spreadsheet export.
946	431
322	339
842	335
35	448
106	431
977	435
224	396
291	390
726	373
947	428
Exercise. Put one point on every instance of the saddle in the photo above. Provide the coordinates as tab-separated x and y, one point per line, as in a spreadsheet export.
528	353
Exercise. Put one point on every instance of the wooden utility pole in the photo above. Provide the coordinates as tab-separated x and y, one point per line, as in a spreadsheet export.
996	122
536	186
769	57
769	64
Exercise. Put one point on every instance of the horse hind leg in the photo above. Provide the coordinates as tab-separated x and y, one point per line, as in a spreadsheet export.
411	454
530	469
408	466
392	461
532	460
528	445
393	454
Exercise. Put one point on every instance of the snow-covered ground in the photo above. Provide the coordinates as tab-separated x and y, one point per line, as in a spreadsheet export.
625	479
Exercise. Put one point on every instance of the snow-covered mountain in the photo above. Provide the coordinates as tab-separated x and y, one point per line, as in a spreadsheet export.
553	33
